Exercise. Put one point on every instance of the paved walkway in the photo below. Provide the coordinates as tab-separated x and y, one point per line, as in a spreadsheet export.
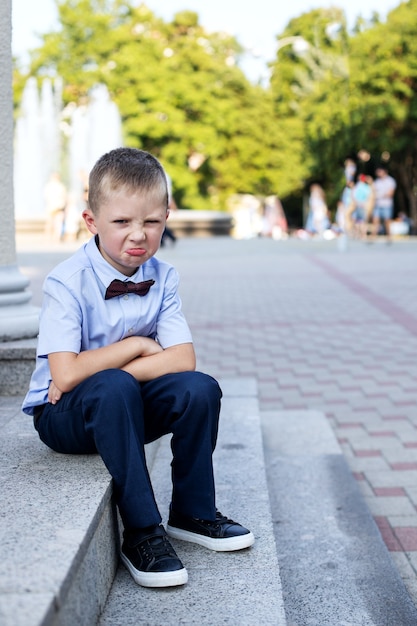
319	328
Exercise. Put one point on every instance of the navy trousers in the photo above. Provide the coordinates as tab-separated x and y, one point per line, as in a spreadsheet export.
114	415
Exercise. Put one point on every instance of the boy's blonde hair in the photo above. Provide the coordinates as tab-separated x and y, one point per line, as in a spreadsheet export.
135	170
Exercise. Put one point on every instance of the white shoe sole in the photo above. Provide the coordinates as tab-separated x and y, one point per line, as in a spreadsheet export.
219	545
156	579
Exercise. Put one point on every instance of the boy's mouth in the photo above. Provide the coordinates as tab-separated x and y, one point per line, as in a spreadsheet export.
136	251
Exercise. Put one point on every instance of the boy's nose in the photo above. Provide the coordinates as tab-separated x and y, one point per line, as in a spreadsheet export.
137	233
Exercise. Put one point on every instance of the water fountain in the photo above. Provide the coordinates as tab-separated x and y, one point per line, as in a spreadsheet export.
28	156
51	139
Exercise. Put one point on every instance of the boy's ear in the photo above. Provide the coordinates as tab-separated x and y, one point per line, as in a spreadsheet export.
89	220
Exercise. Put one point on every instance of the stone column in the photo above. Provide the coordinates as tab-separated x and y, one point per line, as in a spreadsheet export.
18	319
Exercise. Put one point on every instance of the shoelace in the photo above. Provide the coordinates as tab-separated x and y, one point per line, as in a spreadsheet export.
219	521
223	519
156	549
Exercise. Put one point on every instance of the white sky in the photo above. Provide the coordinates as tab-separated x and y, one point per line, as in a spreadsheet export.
255	24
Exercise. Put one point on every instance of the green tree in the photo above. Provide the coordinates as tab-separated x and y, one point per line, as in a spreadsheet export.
384	81
310	86
180	92
183	97
348	92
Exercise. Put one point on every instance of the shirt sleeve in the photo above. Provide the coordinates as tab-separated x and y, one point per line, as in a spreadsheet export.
60	324
172	328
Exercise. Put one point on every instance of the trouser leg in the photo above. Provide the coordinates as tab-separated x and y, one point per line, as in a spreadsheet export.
112	414
188	405
104	414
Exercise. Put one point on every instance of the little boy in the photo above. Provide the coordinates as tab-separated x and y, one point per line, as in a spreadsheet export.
115	370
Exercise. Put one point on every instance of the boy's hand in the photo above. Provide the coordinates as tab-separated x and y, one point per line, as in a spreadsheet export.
54	394
149	346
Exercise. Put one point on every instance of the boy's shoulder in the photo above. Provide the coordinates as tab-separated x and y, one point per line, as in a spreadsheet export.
74	264
159	265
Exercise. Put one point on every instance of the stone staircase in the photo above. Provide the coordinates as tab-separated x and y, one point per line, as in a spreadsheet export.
318	556
59	534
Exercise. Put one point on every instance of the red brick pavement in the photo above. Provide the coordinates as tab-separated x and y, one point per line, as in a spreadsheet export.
326	330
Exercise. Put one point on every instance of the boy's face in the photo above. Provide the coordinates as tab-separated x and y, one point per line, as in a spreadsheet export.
129	227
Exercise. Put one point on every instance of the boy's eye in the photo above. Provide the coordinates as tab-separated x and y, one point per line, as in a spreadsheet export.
126	221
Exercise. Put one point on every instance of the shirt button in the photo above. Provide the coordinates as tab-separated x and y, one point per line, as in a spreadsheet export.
130	331
126	297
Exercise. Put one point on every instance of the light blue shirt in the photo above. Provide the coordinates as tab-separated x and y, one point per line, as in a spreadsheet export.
76	317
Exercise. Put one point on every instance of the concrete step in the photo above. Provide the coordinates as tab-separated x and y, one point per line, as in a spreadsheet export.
335	569
57	529
224	588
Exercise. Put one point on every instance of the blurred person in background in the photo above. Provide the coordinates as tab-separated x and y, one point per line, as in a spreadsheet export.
384	187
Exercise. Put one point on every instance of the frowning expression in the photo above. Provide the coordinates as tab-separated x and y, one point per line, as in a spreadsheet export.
129	227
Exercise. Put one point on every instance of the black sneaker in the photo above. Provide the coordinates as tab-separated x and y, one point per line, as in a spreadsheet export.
151	559
223	535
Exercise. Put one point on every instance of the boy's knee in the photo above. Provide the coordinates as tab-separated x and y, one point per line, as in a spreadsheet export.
200	387
113	382
201	383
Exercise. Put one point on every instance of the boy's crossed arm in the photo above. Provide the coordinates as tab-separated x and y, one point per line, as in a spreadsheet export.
179	358
68	369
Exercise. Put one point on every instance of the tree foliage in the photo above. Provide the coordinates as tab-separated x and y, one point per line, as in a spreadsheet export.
179	90
352	91
183	97
385	74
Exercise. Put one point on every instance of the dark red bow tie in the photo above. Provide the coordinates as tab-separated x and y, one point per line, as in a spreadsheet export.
120	288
